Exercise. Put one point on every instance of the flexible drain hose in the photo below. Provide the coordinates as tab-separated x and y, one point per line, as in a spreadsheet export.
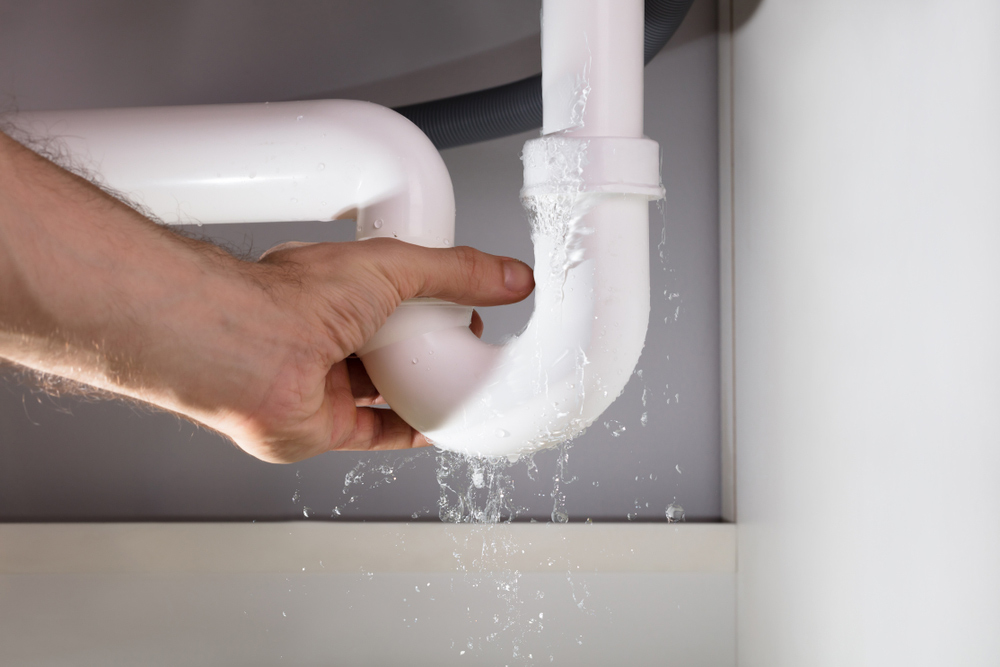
517	107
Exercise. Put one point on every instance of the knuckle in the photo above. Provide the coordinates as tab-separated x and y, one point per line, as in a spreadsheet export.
470	265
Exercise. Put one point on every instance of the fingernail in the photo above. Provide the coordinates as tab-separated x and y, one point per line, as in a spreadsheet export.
517	276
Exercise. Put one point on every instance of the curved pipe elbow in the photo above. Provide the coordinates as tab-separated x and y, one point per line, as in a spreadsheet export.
547	385
271	162
552	381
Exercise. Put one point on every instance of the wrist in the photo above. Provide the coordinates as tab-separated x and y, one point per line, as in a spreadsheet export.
214	342
91	290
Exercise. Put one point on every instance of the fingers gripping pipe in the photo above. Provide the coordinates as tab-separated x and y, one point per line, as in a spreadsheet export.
587	183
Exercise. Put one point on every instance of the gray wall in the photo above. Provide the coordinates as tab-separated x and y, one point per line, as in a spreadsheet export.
83	459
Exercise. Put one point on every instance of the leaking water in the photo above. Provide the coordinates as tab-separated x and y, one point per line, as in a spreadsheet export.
479	491
474	489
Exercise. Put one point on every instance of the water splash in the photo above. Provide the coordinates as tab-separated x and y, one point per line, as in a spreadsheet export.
479	491
674	513
474	489
615	427
368	475
555	217
559	480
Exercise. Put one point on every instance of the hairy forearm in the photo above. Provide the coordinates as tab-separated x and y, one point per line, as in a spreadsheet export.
91	290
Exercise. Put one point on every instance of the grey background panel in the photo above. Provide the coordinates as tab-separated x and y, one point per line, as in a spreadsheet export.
70	457
70	54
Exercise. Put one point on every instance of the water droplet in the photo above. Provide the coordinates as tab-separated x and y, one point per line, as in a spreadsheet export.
502	433
294	200
377	224
299	118
678	468
644	419
616	427
253	174
321	166
674	513
413	360
447	243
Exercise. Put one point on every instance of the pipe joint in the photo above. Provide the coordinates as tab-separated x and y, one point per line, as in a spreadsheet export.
564	165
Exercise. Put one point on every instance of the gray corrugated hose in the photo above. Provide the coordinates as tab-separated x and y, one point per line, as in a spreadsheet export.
517	107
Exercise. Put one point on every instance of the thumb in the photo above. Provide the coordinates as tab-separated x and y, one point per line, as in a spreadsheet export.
463	275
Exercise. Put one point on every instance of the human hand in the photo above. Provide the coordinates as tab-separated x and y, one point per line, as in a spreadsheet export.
288	387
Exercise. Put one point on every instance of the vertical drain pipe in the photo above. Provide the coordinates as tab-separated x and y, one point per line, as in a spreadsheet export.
592	68
592	93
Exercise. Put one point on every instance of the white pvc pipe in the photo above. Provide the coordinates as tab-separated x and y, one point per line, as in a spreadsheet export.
271	162
587	186
592	67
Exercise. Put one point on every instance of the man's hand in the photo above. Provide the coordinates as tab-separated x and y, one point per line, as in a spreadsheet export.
92	291
316	304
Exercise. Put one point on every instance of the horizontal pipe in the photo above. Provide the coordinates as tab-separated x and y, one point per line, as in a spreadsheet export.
270	162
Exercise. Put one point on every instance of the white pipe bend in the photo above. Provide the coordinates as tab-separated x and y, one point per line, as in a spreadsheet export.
271	162
551	382
591	312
